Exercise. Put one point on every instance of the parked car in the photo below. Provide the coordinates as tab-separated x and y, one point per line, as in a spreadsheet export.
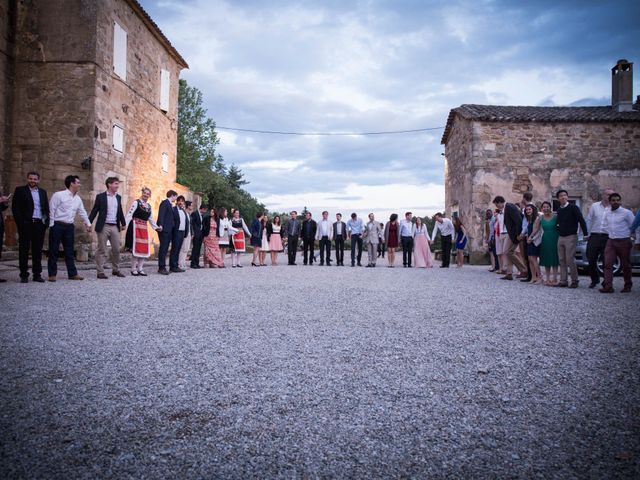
583	262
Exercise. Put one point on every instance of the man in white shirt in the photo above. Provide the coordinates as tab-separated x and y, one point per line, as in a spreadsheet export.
597	237
63	208
180	233
617	224
406	239
445	227
324	233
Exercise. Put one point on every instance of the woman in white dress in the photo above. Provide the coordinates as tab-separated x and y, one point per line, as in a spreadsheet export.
225	231
274	237
265	241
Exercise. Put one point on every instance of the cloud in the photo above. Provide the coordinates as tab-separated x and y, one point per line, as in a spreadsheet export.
377	65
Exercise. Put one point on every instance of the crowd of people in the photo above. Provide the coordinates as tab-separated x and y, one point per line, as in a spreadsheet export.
522	236
518	235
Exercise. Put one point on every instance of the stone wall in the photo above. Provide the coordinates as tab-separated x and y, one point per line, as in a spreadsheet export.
7	20
486	159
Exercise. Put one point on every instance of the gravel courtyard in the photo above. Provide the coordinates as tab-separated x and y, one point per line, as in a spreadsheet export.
311	372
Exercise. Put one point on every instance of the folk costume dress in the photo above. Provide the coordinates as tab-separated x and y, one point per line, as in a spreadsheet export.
238	242
137	239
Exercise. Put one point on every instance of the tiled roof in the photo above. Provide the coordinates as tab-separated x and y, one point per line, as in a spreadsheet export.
499	113
155	30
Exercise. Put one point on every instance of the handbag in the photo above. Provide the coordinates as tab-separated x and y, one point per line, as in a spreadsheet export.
537	238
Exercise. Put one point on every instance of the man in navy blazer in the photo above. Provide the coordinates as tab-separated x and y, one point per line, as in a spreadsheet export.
180	232
108	208
196	231
166	221
513	224
30	208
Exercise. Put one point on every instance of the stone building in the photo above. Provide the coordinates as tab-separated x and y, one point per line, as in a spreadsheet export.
505	150
88	88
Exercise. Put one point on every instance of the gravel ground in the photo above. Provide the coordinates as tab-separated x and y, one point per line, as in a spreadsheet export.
318	372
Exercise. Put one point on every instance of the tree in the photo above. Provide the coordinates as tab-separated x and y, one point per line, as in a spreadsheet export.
235	177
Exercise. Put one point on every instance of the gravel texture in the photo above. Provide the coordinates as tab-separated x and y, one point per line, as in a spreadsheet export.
318	372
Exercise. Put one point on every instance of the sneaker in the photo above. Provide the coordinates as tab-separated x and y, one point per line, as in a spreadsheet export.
102	276
76	277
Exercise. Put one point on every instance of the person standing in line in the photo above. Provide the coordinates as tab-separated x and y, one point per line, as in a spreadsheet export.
137	236
372	234
527	199
392	238
264	248
445	227
256	238
63	208
274	237
500	232
597	238
4	199
213	257
549	244
340	235
186	244
30	208
533	238
196	228
238	241
513	226
355	229
309	229
569	217
108	208
617	224
461	241
491	240
406	239
421	245
166	223
324	234
292	230
225	230
180	233
382	244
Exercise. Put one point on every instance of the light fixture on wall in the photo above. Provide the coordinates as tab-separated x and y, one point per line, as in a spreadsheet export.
86	163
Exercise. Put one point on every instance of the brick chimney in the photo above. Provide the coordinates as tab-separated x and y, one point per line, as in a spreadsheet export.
622	86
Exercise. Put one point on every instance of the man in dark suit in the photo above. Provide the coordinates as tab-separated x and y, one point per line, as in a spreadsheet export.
513	224
30	208
292	231
180	232
166	221
196	232
309	228
339	235
108	208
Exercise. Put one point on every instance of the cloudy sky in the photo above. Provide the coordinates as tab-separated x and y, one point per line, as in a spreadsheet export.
370	66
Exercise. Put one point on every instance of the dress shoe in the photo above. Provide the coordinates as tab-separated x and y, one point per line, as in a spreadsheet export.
359	264
163	271
626	290
142	274
76	277
134	273
102	276
52	278
606	290
118	273
561	285
507	277
38	279
24	280
2	280
178	270
593	284
573	285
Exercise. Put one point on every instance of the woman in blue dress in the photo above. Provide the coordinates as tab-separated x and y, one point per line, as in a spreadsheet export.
461	240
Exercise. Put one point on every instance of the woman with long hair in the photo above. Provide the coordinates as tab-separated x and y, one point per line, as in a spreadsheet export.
549	246
392	238
534	238
225	230
461	240
238	241
274	237
422	257
264	248
213	257
256	238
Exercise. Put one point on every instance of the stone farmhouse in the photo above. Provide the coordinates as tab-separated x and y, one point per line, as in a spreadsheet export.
88	88
507	150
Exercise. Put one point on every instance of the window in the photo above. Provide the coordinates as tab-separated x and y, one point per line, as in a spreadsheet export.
165	162
164	90
119	51
118	138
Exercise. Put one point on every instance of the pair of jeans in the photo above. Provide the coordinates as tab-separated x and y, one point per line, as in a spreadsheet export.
325	250
407	249
65	234
356	240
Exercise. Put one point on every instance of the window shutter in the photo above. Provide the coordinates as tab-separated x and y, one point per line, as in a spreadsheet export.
119	51
165	162
165	80
118	138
